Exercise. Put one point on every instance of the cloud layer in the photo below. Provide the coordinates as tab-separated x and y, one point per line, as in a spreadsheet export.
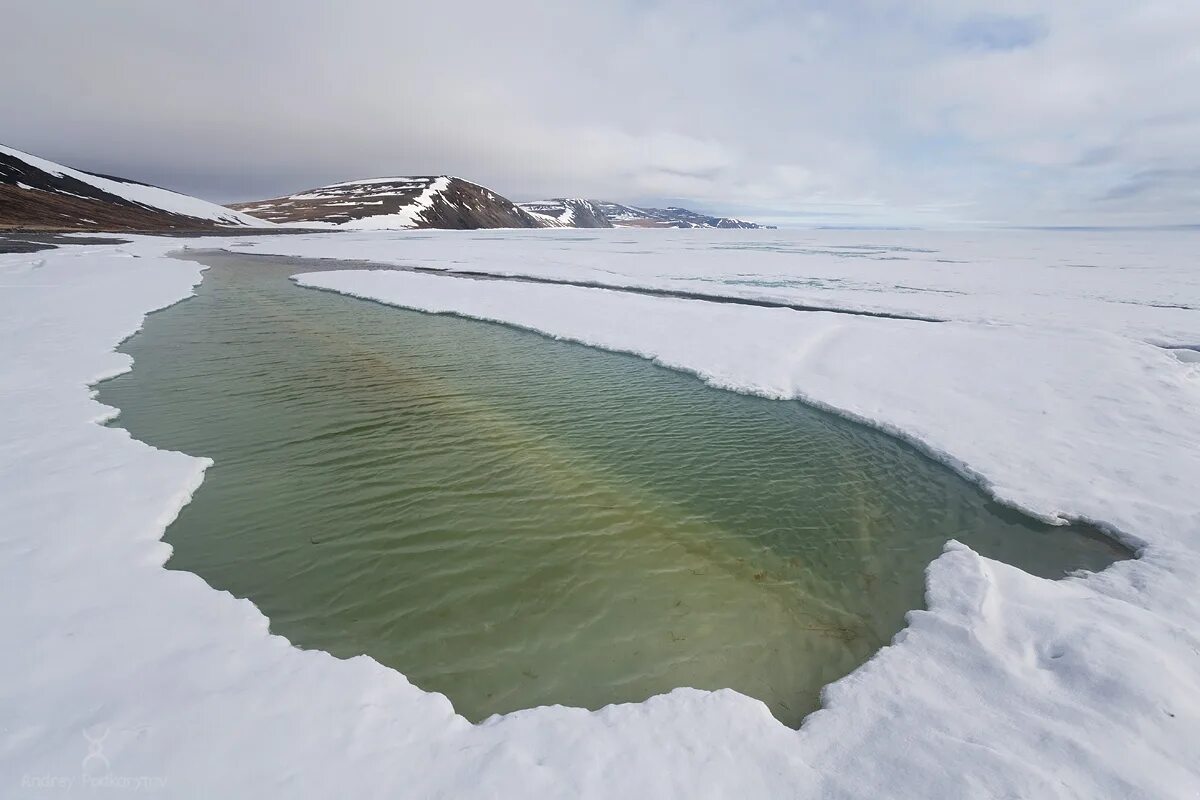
878	111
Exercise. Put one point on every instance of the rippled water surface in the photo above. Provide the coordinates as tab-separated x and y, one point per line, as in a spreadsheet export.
515	521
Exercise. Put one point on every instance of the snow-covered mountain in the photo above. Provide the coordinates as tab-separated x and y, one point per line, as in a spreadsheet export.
570	212
36	193
399	202
442	201
623	216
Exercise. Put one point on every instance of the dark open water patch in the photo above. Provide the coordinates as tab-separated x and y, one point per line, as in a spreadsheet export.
515	521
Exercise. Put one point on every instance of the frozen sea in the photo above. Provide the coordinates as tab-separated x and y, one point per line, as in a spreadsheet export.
514	521
1052	370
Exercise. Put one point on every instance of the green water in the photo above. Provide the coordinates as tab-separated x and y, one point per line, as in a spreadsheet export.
515	521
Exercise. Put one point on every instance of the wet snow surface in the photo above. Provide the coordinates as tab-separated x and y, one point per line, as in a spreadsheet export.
1060	381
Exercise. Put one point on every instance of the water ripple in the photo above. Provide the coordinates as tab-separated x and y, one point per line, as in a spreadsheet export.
515	521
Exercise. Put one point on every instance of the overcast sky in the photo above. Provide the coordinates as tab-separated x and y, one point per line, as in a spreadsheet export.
834	112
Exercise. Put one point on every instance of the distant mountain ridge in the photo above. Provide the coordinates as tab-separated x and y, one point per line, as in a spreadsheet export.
40	194
443	201
438	201
574	212
670	217
571	212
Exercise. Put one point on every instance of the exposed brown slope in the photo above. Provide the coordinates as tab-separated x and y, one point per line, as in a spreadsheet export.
33	198
50	211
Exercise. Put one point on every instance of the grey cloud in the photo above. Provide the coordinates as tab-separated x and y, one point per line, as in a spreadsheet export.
782	107
1156	181
999	32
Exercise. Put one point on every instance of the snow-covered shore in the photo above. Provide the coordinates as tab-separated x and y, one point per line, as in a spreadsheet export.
1008	685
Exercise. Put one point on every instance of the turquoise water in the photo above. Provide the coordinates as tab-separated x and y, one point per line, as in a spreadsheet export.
515	521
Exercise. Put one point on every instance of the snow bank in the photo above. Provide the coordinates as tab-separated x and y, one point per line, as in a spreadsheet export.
118	670
1142	285
151	196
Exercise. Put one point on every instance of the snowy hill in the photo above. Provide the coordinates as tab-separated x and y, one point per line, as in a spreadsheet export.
36	193
579	213
398	202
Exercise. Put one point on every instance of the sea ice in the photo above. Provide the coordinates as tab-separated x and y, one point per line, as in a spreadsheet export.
1047	385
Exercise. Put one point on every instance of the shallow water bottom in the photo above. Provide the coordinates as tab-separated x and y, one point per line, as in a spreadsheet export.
515	521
